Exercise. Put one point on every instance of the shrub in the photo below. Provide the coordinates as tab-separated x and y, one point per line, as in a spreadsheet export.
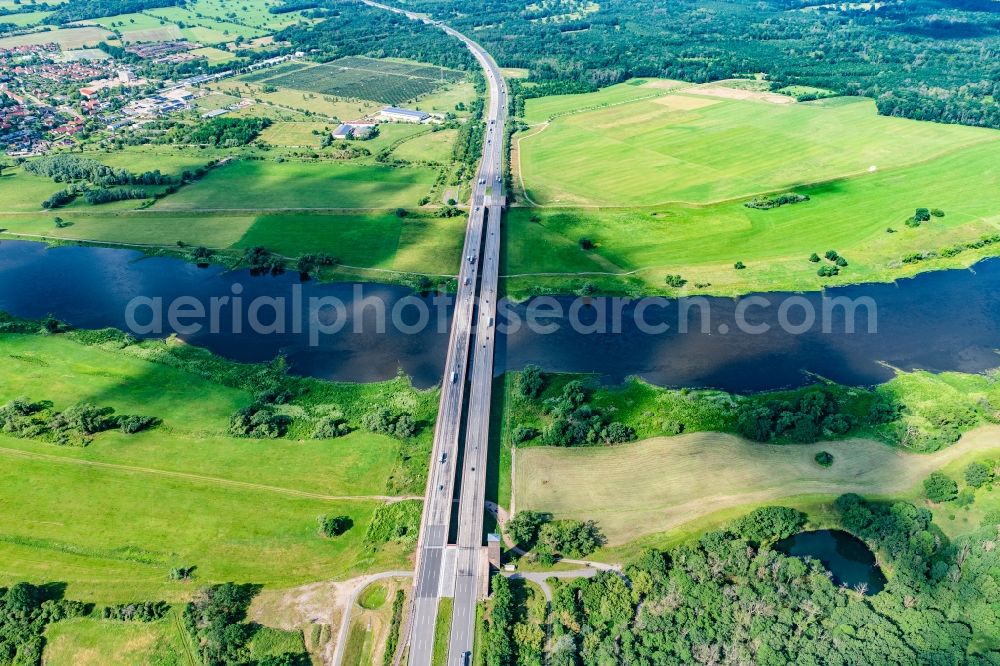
330	427
84	418
937	212
824	459
586	244
978	474
939	487
383	421
814	257
841	262
258	422
675	281
828	271
523	434
966	497
142	611
132	424
739	265
831	255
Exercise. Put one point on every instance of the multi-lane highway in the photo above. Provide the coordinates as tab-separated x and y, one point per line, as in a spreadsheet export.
455	569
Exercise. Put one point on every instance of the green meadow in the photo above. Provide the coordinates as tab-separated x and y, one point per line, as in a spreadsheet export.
112	518
267	185
698	149
862	218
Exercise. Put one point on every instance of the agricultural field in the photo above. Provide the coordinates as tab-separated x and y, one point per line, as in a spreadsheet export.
25	19
67	38
713	149
326	105
249	506
659	484
383	81
696	149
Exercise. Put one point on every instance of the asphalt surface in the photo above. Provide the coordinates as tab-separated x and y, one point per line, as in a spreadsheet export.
445	570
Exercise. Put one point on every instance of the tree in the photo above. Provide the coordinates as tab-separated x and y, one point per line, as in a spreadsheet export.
978	474
739	265
939	487
769	523
524	526
586	244
3	165
824	459
334	526
530	382
814	257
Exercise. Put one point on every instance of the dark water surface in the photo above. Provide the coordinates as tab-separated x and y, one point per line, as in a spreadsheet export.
842	554
946	320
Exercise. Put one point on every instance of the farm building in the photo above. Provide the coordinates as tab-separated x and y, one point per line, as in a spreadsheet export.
343	132
403	115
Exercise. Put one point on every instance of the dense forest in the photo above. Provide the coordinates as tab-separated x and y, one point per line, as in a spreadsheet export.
731	598
354	29
89	9
928	59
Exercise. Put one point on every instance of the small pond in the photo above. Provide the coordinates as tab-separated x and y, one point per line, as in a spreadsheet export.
842	554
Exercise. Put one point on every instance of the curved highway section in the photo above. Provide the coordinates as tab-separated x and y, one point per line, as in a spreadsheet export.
459	569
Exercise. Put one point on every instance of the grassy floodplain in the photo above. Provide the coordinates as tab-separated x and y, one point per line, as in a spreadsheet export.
291	208
688	163
659	484
670	486
113	517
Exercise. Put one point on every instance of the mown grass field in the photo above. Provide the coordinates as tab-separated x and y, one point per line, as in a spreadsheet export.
266	185
685	163
697	149
112	518
67	38
702	243
659	484
94	642
428	147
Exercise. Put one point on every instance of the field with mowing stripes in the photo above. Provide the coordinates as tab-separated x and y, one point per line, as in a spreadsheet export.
659	484
293	185
683	147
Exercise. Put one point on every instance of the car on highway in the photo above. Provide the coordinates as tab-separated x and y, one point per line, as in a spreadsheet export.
443	457
454	375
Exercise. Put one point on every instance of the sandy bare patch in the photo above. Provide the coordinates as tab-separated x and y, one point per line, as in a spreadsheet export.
684	102
715	90
663	84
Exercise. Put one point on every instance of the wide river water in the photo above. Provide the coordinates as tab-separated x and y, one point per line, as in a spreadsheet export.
945	320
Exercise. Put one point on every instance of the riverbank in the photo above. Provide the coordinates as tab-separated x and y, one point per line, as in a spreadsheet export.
120	509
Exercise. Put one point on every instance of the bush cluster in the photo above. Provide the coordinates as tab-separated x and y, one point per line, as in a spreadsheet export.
142	611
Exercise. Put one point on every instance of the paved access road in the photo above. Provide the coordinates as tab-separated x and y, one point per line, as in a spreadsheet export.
443	570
